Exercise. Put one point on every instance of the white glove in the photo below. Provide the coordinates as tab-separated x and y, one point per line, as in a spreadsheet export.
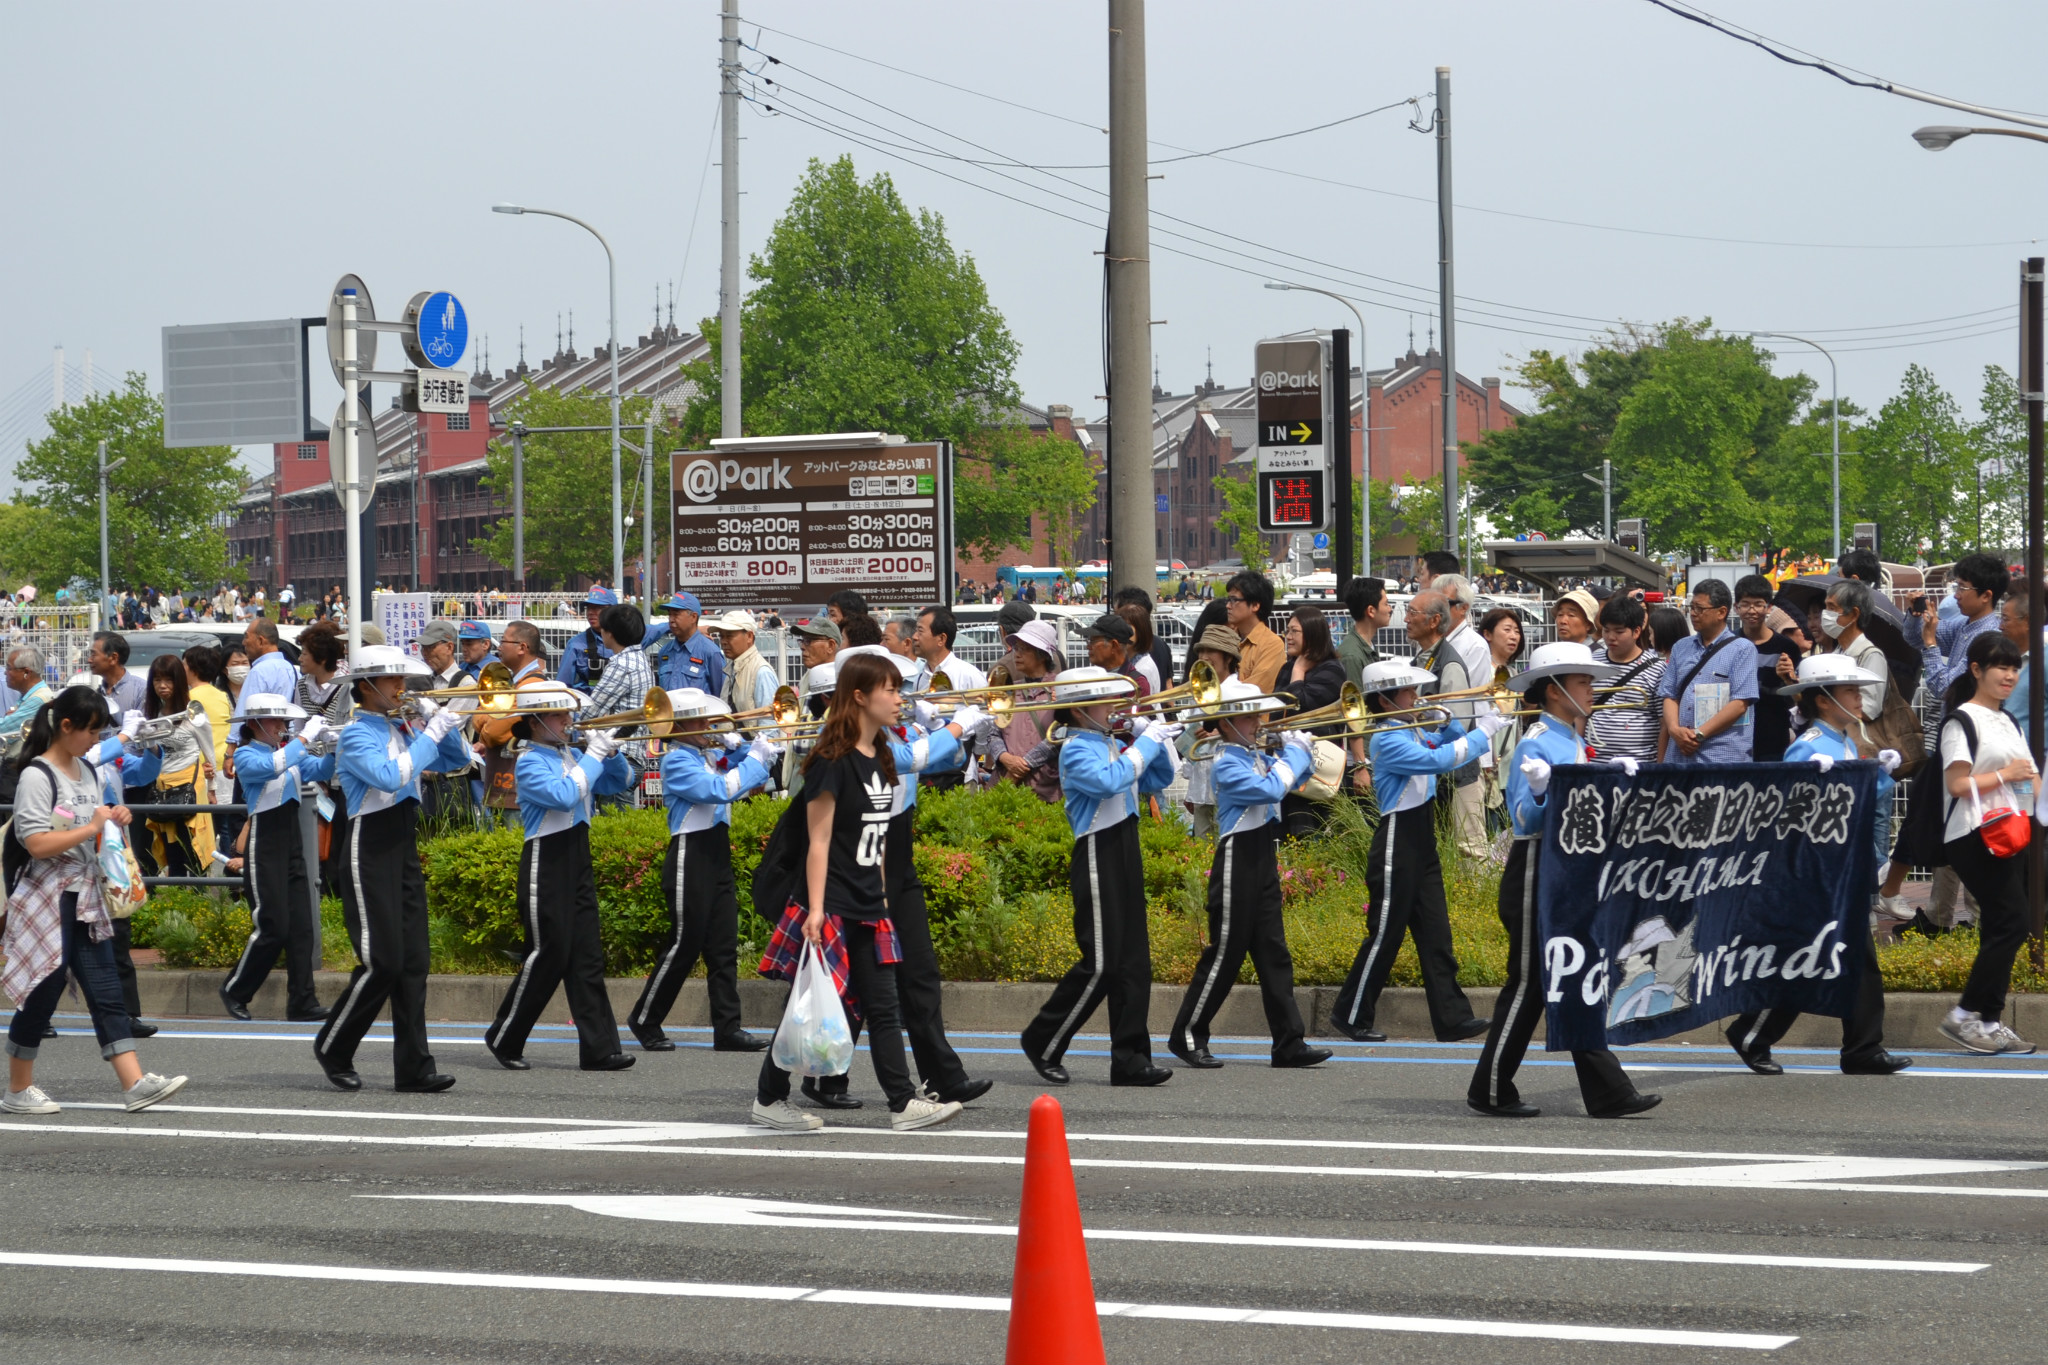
311	731
442	722
600	744
1490	724
732	739
1888	759
765	752
463	704
927	715
1824	762
1537	773
130	723
1163	733
1300	739
970	719
1627	765
425	708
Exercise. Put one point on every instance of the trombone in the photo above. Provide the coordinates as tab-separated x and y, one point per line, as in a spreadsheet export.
1203	688
154	731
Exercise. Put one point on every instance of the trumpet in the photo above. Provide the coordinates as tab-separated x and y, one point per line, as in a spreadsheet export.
155	731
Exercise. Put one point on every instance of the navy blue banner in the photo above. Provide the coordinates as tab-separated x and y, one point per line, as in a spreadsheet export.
1688	894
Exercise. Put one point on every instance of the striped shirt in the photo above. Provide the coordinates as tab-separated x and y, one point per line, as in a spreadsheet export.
1629	733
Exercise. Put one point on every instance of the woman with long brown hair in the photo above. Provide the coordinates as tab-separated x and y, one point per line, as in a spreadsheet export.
184	847
849	792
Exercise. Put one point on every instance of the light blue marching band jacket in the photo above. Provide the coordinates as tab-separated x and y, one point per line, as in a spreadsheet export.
917	752
1103	780
1249	785
557	785
1556	745
699	791
119	768
379	763
1405	763
1822	738
271	777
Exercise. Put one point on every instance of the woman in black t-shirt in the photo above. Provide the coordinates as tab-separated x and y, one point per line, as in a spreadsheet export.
849	794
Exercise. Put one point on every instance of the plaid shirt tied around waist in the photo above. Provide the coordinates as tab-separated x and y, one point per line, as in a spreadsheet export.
786	950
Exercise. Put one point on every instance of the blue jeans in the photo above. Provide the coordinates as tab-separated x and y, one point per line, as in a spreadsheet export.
92	965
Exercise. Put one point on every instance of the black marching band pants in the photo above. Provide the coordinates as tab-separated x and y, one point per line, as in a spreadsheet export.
558	910
1862	1030
384	901
1602	1083
1108	881
1405	890
918	987
704	907
1244	917
274	875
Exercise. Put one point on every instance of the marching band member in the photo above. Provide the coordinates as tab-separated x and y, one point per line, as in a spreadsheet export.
1102	781
849	783
272	765
697	872
383	896
1836	683
923	747
1405	881
557	890
1559	680
1244	881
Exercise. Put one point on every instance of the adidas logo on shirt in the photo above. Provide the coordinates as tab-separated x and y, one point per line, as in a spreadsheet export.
880	794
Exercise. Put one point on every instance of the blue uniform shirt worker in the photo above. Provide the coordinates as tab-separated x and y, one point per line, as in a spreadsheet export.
686	657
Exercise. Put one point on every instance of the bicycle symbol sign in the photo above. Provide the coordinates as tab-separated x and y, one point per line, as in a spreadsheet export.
442	329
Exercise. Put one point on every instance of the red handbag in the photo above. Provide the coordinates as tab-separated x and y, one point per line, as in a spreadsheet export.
2006	832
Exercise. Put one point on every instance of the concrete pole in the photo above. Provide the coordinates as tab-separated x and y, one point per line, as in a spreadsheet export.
351	473
104	589
519	507
1132	521
729	198
647	516
611	271
1447	298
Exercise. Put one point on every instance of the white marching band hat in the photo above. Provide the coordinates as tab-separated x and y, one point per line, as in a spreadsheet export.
1558	659
385	661
693	703
1828	670
270	706
1081	686
906	667
822	678
1238	698
1391	675
552	696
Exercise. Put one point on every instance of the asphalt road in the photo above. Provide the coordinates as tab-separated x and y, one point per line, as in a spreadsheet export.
1352	1213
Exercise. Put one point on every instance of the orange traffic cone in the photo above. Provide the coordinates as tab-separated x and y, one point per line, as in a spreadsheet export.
1052	1298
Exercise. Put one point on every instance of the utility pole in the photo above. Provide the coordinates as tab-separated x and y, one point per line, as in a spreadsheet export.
106	589
1132	520
1338	437
647	513
2031	386
729	200
1447	295
1606	482
519	506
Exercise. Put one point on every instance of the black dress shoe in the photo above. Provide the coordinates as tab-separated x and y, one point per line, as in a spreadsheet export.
1052	1072
1199	1058
510	1063
617	1061
740	1042
1634	1104
655	1042
967	1092
1151	1075
431	1084
1357	1035
318	1014
1920	924
829	1099
49	1030
1878	1064
1306	1056
1759	1060
138	1029
343	1078
1520	1109
1471	1028
235	1008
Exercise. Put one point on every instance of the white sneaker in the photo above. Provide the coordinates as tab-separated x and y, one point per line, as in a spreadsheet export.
1894	908
785	1116
1966	1030
150	1089
923	1113
2008	1041
29	1101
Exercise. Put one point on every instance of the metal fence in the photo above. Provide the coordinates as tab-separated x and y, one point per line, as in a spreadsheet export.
62	632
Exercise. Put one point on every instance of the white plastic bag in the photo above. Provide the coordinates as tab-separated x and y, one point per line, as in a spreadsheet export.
114	859
814	1039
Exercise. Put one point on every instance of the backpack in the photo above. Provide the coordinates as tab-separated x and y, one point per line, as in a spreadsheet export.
1923	836
1898	729
779	877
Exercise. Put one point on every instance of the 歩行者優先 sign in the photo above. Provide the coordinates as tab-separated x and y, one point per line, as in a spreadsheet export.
789	526
436	391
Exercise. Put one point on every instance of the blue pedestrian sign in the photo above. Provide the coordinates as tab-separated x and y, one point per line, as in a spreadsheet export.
1322	541
440	332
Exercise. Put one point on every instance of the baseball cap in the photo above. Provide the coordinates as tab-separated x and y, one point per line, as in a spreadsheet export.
733	620
819	626
1039	635
473	630
1013	614
373	634
439	631
683	601
1110	626
600	596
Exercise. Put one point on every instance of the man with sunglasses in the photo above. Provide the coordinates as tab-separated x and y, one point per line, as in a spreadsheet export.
1709	686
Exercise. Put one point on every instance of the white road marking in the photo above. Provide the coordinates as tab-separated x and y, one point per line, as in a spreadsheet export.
722	1210
1538	1331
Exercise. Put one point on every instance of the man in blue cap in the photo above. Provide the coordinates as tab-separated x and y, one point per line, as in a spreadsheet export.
473	638
583	660
684	657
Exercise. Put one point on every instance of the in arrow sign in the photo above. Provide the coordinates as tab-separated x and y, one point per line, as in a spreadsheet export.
1302	431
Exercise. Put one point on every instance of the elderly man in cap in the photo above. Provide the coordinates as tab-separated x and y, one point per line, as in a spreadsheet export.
444	787
750	680
684	657
473	639
584	660
819	640
1111	643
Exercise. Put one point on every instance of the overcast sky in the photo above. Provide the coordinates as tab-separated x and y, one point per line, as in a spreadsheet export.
190	163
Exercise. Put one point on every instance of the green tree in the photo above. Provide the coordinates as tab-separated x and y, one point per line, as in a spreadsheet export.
1410	510
863	318
164	506
1005	475
1239	520
1527	477
1998	442
1918	466
1797	480
568	480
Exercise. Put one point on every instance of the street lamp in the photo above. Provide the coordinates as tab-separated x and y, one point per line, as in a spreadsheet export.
106	467
1939	137
1365	418
612	273
1835	403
